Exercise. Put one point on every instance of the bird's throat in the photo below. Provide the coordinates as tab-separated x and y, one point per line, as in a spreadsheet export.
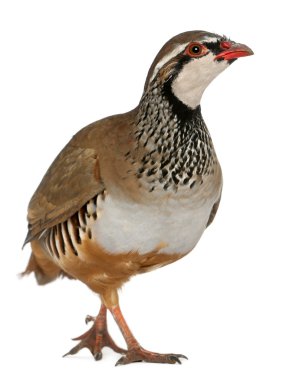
172	147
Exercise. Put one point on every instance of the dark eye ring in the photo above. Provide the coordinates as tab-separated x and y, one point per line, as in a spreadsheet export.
194	50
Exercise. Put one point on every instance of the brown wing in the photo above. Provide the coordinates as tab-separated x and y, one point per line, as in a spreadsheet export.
72	180
74	177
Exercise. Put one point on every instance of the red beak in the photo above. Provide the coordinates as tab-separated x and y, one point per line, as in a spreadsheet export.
235	51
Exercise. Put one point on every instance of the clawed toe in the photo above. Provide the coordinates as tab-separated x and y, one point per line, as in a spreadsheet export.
96	337
175	358
141	355
89	318
74	350
98	356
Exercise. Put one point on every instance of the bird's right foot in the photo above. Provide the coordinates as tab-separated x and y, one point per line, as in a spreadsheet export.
96	337
139	354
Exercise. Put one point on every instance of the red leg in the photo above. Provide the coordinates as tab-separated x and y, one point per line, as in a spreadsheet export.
96	337
135	352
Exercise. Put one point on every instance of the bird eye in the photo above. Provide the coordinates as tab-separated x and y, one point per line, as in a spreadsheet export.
194	50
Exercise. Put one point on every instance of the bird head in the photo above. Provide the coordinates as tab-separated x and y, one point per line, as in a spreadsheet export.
188	62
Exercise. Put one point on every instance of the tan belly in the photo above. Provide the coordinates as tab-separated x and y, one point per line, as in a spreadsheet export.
108	241
82	258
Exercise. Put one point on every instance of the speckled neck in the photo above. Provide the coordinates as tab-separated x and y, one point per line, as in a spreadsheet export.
173	148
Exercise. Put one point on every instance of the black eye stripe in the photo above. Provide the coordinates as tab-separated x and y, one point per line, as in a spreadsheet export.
214	46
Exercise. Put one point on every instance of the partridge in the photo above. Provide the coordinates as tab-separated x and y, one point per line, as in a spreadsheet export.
133	192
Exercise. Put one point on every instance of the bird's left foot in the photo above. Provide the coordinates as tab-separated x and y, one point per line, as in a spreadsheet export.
139	354
96	337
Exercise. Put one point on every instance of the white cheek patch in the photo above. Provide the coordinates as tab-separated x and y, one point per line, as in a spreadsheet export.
195	76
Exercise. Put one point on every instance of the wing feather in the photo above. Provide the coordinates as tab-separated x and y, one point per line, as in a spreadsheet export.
71	181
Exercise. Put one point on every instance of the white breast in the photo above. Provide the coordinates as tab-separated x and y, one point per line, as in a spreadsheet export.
174	225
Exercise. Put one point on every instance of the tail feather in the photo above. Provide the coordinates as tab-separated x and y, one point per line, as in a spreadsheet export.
44	269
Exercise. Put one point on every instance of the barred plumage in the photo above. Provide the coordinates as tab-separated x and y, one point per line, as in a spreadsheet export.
66	237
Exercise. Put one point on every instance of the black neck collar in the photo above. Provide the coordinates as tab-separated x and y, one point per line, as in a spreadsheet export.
184	113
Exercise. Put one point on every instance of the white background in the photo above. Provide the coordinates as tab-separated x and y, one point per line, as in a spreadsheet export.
228	305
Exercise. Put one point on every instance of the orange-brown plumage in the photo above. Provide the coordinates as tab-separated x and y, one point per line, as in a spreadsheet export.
133	192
